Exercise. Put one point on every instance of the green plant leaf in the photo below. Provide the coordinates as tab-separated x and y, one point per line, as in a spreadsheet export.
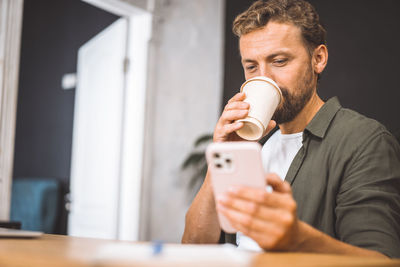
193	159
196	160
203	170
203	139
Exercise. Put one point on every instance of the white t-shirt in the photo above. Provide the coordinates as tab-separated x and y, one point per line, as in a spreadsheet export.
277	155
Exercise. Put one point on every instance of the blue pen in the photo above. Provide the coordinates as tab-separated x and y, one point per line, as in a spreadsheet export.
157	247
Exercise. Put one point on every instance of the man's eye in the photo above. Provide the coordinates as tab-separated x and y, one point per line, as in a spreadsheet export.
250	67
280	62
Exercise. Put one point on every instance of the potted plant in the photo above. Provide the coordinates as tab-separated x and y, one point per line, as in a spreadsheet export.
195	163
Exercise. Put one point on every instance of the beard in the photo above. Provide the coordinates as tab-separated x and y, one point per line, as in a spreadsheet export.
293	103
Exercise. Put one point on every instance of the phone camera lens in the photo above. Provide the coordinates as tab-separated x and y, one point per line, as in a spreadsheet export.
218	165
216	155
228	161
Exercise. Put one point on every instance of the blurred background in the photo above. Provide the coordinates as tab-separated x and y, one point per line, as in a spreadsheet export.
113	95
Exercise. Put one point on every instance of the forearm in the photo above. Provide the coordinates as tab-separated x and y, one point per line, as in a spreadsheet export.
312	240
202	224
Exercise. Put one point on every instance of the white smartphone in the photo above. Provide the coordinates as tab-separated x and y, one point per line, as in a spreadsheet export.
234	163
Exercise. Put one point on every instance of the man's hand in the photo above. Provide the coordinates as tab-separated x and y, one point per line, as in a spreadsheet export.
235	110
269	218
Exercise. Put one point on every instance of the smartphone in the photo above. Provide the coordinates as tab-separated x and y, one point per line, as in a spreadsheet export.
234	163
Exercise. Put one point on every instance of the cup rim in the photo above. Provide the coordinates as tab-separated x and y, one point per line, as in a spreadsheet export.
264	79
254	121
257	122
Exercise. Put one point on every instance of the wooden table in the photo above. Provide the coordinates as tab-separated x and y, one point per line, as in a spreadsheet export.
53	250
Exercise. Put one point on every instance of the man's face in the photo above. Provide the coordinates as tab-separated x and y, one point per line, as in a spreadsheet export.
278	52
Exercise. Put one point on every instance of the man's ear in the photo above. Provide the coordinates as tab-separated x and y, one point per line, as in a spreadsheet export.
320	58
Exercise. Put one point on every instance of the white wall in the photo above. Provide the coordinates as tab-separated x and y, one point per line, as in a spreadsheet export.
183	99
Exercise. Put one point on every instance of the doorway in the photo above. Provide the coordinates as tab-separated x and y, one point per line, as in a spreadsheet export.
53	32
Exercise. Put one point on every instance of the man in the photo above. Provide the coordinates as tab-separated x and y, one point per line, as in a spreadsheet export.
341	170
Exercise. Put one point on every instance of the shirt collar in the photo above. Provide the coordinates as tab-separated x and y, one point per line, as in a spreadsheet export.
321	121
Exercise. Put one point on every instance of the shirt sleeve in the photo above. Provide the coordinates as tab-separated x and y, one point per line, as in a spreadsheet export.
368	201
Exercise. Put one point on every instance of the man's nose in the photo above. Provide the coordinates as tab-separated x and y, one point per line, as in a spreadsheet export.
266	72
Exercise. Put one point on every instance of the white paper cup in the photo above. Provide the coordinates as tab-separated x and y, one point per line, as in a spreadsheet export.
264	96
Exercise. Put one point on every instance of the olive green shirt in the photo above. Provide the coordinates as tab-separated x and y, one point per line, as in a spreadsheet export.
346	180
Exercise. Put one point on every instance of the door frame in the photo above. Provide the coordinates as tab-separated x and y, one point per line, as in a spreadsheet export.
131	174
10	41
140	23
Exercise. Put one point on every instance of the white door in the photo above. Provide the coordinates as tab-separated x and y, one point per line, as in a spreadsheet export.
97	135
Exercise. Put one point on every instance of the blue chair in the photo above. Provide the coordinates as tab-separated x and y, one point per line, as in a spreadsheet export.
34	203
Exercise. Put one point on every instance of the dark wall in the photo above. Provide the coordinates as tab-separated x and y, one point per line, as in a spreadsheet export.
363	43
52	33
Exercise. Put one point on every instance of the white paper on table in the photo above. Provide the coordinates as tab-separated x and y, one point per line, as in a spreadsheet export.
173	255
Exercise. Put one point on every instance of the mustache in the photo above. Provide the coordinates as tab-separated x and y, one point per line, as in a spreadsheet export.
285	94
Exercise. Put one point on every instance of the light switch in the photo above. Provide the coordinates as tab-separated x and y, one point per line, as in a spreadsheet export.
69	81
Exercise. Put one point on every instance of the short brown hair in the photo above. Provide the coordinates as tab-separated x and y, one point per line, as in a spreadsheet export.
298	12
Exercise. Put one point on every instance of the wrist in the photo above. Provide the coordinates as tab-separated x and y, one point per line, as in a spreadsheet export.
303	237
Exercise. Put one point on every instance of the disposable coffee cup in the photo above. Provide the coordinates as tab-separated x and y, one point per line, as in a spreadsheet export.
264	96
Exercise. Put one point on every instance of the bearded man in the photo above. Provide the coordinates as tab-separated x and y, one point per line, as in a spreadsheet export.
335	174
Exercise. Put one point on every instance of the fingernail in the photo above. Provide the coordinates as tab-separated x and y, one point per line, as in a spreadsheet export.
233	189
222	199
